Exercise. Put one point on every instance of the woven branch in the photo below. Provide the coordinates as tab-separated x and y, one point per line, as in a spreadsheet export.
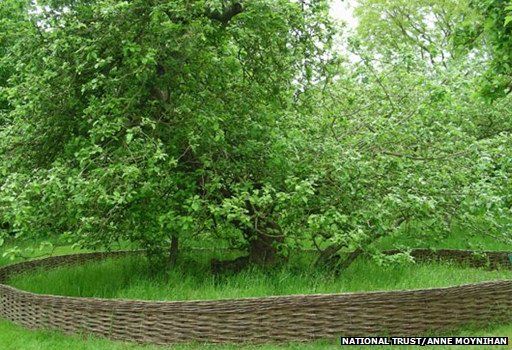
269	319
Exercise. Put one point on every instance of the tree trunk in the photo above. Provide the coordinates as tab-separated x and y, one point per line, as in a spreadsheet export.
329	257
173	251
262	250
335	261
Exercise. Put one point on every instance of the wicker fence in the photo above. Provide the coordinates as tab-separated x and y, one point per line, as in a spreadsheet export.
276	319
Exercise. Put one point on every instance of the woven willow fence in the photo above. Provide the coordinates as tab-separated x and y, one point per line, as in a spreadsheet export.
269	319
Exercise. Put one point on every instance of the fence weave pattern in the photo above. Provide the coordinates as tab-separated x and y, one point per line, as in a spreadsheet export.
269	319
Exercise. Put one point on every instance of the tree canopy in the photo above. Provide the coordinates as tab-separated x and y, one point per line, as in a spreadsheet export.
246	122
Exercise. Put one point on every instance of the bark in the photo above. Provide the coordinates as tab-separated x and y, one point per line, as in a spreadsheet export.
332	259
228	13
173	251
223	16
263	247
329	257
262	250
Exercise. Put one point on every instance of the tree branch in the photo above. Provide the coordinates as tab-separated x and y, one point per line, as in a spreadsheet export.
227	13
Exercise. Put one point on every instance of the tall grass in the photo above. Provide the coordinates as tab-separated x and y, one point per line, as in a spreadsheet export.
191	279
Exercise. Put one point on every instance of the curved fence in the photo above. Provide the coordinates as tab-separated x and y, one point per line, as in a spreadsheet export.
269	319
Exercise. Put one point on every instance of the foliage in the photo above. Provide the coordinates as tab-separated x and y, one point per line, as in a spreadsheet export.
145	120
493	31
426	26
153	121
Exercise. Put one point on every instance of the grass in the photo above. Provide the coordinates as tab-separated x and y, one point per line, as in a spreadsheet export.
415	237
37	252
131	278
